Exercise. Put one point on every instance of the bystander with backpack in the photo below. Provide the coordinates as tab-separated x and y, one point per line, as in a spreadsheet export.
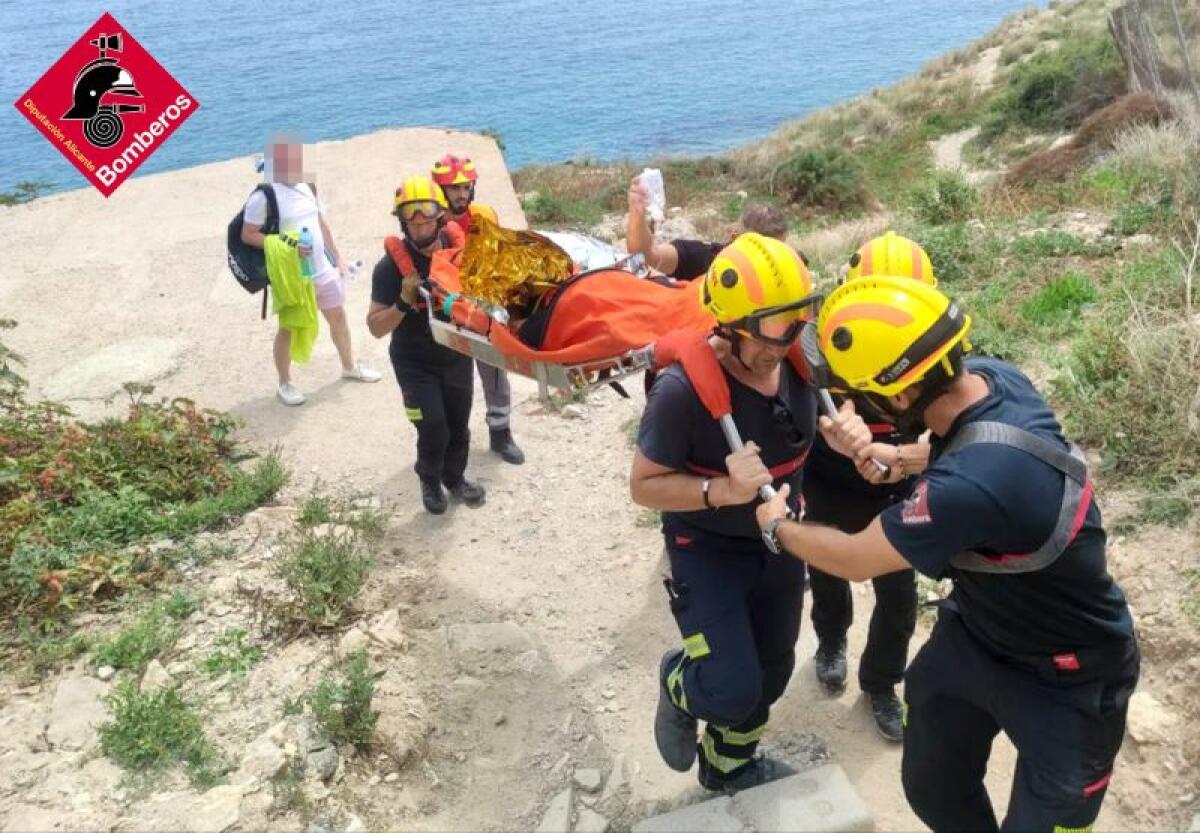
290	207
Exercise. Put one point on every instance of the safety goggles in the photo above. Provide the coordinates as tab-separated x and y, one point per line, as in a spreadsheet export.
778	326
428	209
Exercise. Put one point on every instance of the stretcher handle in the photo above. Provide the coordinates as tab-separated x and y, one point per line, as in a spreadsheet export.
766	491
831	411
820	372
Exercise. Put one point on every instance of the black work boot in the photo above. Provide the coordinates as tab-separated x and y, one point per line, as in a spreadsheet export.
830	663
760	770
888	714
504	445
674	729
433	496
472	494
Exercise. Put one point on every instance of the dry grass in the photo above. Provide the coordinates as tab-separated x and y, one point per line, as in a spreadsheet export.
829	249
1098	133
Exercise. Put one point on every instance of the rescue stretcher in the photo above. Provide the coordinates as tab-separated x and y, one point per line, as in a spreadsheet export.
577	378
624	324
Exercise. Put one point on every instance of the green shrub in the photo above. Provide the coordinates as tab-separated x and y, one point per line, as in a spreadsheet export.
947	198
1057	88
1127	386
134	646
24	191
1059	301
150	730
1137	217
74	495
233	655
321	509
1055	243
42	645
827	178
950	249
543	209
343	706
180	605
324	574
1151	278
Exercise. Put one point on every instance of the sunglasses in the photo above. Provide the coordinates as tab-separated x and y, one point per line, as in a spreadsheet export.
781	415
427	209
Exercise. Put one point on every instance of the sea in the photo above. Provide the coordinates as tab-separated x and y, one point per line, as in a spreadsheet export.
597	79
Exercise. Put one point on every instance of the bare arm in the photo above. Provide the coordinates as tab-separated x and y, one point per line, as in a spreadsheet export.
856	557
660	487
252	235
382	319
639	239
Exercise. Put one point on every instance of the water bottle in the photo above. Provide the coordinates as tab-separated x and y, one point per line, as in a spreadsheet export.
656	208
306	263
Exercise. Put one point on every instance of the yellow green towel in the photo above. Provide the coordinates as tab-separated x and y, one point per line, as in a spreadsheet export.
294	299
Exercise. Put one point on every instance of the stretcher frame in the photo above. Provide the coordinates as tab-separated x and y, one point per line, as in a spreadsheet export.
569	378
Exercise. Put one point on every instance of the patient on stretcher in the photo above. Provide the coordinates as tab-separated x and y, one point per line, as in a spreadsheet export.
525	292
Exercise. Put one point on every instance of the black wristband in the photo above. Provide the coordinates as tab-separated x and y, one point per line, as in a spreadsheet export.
404	306
704	487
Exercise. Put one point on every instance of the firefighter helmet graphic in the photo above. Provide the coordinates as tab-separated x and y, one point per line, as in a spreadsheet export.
102	125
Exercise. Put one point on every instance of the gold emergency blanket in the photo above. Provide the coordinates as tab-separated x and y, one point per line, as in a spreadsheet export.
510	268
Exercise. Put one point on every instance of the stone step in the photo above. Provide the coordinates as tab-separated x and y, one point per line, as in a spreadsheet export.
819	800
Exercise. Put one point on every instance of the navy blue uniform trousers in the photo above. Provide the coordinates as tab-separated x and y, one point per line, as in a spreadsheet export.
739	615
1065	717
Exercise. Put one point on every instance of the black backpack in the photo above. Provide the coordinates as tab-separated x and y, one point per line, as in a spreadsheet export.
249	264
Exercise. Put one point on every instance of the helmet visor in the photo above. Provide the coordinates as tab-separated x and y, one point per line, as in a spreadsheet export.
778	326
426	208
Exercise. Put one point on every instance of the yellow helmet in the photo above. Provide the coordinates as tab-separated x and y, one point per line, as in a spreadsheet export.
884	334
760	285
415	191
891	254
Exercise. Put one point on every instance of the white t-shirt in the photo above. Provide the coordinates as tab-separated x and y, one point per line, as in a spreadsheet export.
299	207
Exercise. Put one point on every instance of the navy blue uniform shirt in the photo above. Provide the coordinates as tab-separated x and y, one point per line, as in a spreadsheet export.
1000	500
677	432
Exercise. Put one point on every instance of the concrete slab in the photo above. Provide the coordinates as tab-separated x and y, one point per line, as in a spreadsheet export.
819	800
712	816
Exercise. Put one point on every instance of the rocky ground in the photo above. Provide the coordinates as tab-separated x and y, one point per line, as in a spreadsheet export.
517	644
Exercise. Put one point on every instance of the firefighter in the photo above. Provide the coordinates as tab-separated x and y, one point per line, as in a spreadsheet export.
435	381
1036	639
836	494
457	177
737	606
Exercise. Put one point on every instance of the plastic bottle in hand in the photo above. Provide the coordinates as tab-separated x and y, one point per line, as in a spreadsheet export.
306	263
651	179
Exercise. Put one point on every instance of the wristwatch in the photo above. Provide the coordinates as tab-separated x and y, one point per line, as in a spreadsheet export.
404	306
770	535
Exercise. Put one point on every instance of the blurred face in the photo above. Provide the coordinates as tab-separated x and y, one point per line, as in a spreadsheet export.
287	162
422	229
459	197
760	357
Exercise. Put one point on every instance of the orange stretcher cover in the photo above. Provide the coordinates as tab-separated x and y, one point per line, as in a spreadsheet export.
596	315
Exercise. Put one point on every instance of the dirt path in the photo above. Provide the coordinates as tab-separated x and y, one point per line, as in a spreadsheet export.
535	622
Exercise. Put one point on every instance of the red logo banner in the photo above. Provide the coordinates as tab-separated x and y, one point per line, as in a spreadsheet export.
106	104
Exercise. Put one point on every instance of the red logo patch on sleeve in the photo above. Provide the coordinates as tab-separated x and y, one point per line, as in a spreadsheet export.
106	104
916	506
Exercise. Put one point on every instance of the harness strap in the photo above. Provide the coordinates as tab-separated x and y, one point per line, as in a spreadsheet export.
1077	496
